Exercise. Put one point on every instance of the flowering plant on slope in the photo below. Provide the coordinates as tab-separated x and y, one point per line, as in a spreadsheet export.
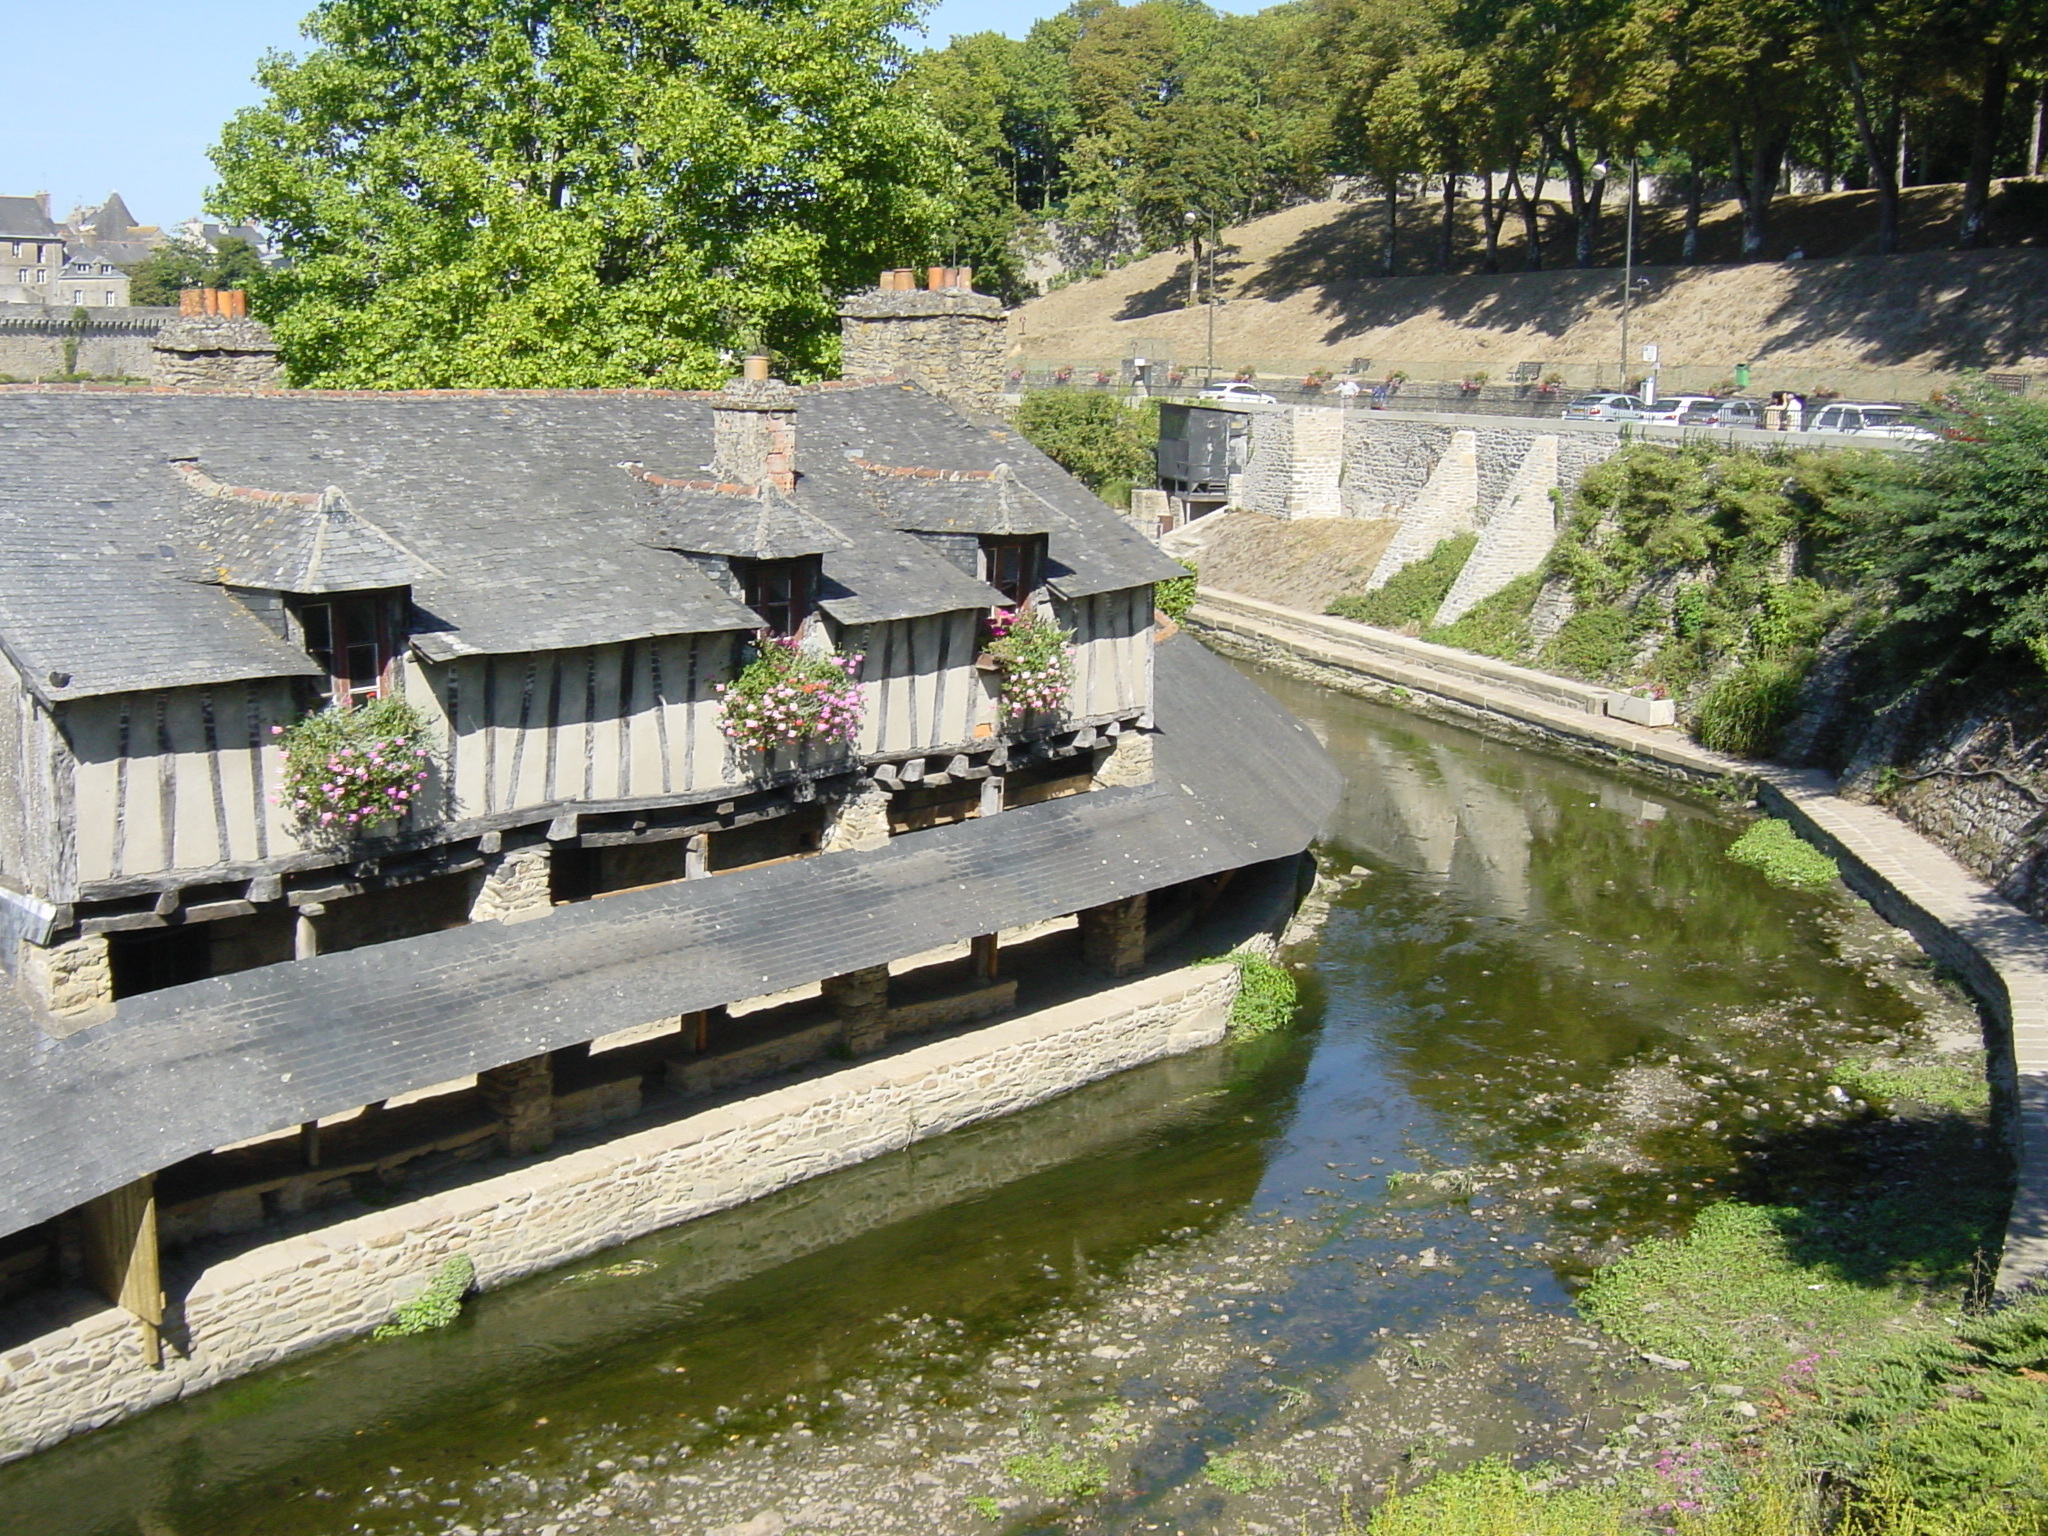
1035	657
785	696
350	771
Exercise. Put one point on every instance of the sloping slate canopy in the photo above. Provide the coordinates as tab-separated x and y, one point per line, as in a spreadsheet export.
182	1071
291	546
765	526
527	526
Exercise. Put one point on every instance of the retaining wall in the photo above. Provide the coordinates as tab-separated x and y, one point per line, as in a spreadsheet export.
298	1294
2000	951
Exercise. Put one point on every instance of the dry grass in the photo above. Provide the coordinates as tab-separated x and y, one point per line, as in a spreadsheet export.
1302	564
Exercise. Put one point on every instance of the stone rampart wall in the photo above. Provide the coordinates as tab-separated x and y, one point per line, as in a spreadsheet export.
287	1297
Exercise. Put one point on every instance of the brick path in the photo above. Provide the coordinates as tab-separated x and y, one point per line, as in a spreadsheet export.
1910	880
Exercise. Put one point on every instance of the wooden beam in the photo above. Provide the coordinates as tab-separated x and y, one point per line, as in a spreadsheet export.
122	1261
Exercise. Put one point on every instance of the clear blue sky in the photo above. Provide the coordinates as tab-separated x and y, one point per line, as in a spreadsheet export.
128	95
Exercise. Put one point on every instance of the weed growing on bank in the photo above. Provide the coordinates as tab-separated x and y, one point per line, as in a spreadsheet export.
435	1307
1958	1085
1411	598
1778	853
1174	598
1237	1472
1058	1473
1266	995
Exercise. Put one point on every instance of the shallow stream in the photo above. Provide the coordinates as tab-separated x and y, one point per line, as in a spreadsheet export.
1239	1291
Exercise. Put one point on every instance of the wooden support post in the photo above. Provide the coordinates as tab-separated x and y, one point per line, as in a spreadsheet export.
121	1258
987	949
305	933
309	1143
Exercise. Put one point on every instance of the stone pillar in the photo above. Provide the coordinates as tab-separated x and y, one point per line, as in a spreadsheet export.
515	888
74	980
522	1094
861	820
697	856
1113	935
861	999
986	954
1129	761
992	795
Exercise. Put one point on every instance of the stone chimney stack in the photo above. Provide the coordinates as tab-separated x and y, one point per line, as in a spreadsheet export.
213	344
944	335
753	430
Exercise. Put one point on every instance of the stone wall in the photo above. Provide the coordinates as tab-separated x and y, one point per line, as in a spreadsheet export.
1295	468
112	343
284	1298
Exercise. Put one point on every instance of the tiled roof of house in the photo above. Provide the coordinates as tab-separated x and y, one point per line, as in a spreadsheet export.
523	516
189	1068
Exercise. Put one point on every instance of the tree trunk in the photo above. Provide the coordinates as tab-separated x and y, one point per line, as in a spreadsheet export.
1757	169
1488	227
1447	232
1391	195
1879	154
1585	211
1529	203
1695	192
1195	271
2040	120
1975	232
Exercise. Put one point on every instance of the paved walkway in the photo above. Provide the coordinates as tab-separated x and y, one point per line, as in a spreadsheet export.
1911	880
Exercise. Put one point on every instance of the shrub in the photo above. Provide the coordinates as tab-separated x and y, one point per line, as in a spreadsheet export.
1415	592
785	696
435	1307
1058	1473
1035	658
349	771
1594	643
1745	710
1174	598
1266	994
1495	626
1782	856
1108	445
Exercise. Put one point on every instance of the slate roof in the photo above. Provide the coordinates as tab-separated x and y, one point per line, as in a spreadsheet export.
181	1071
526	526
22	218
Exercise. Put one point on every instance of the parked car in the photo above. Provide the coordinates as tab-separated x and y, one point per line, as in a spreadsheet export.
1672	409
1604	408
1232	389
1724	413
1863	420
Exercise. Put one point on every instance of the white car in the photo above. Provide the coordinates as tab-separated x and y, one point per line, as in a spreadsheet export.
1607	407
1674	408
1232	389
1868	421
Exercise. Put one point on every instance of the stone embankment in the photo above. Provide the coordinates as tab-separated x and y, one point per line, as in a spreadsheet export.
1999	950
343	1280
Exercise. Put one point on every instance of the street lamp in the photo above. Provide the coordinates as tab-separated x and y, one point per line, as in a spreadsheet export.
1628	262
1193	220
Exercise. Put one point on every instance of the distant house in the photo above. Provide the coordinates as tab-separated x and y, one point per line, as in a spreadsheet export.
31	250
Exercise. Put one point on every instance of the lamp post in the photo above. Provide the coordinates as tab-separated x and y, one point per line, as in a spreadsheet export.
1628	262
1193	221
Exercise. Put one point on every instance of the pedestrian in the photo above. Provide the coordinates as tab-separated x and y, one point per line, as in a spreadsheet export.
1348	391
1795	413
1379	397
1774	412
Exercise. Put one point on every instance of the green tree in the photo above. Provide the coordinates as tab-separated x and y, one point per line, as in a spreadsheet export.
580	192
1108	445
1968	529
161	275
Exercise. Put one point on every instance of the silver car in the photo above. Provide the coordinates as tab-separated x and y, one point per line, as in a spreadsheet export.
1676	408
1849	420
1604	408
1236	390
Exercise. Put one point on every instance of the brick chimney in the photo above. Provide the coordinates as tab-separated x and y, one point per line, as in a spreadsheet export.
753	430
943	335
213	344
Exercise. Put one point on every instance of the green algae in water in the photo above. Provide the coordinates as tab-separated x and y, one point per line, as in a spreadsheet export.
1776	852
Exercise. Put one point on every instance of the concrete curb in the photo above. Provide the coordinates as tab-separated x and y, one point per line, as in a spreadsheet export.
1999	950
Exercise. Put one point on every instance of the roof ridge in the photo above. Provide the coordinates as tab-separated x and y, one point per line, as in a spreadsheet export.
819	386
205	485
922	472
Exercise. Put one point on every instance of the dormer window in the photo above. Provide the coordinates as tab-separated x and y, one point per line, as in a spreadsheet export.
356	638
1014	566
782	592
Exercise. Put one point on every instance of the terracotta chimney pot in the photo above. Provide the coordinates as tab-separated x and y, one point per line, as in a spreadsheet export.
755	369
191	301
